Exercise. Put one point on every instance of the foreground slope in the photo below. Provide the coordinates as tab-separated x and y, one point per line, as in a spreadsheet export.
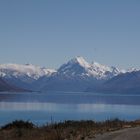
72	130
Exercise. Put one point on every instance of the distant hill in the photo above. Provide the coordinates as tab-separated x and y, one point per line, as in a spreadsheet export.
128	82
4	86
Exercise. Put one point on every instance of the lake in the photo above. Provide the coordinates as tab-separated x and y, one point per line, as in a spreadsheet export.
41	108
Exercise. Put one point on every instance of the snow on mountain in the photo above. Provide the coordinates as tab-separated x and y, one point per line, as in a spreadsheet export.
80	67
23	76
81	61
104	72
76	66
128	82
132	70
15	70
76	75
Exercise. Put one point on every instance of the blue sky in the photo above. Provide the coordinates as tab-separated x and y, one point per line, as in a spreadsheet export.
50	32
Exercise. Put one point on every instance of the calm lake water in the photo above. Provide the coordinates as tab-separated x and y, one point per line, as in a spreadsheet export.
42	108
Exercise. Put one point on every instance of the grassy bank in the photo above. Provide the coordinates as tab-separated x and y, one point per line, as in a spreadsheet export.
68	130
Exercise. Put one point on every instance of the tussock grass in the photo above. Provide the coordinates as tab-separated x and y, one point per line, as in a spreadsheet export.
67	130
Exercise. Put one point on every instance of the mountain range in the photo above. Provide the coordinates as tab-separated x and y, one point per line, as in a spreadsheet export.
76	75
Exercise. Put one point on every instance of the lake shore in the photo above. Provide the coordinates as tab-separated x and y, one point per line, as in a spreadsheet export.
71	130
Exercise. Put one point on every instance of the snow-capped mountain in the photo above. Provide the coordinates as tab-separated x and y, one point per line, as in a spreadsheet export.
128	82
80	67
34	72
77	74
76	66
132	70
23	75
104	72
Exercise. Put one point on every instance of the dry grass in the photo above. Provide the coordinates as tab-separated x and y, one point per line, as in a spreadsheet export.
68	130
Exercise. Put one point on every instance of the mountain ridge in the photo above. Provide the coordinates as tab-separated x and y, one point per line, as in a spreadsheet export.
74	75
4	86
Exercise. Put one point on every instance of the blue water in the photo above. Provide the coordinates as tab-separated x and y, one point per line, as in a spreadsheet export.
42	108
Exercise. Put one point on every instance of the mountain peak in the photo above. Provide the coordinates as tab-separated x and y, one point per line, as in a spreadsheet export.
81	61
133	70
80	67
96	64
